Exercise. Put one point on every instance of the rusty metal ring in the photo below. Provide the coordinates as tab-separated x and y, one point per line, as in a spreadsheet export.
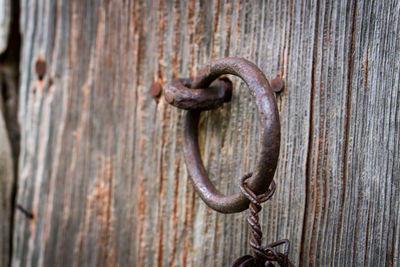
270	136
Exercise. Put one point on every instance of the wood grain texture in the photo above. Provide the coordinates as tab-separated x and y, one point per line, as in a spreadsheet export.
9	128
6	175
6	182
101	164
5	19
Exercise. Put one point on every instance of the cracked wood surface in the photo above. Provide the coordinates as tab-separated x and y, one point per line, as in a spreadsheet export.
101	165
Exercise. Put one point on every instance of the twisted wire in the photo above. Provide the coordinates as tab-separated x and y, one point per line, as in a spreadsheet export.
263	256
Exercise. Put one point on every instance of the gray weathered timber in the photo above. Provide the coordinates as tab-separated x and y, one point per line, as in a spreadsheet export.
101	164
5	19
6	182
6	175
9	129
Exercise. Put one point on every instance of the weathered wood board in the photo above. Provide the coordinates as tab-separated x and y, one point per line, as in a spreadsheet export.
101	165
9	129
6	183
5	19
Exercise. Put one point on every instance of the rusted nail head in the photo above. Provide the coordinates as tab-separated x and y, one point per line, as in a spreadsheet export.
277	85
40	68
155	89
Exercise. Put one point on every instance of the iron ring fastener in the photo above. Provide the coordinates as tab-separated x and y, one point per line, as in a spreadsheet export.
270	132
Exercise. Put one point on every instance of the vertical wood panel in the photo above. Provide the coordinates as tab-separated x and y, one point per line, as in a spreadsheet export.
6	176
9	127
6	182
101	164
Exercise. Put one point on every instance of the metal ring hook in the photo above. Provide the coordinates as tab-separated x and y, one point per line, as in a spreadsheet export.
270	134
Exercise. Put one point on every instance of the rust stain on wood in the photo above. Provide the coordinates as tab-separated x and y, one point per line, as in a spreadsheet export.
366	68
160	251
174	226
190	200
141	213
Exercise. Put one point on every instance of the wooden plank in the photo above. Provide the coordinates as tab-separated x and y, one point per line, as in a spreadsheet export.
101	164
352	206
9	128
6	182
6	175
5	19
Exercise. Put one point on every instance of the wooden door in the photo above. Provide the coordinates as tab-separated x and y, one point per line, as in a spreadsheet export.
101	167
